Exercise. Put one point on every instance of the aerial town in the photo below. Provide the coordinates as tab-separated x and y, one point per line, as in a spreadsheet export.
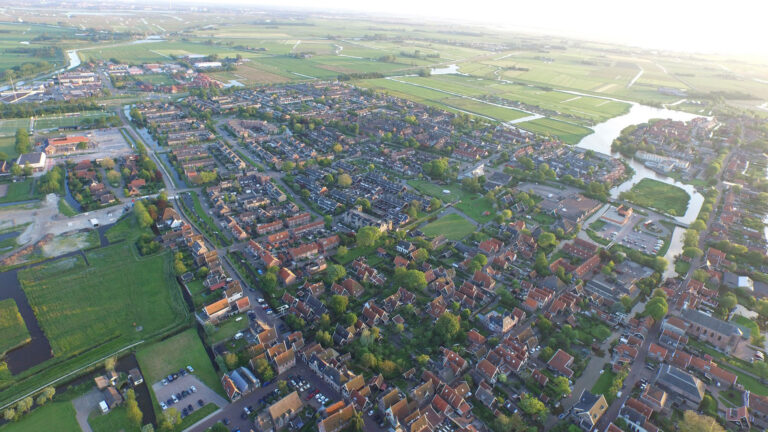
198	234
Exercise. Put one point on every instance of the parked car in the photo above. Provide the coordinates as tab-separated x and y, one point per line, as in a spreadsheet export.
193	389
165	382
200	403
163	406
190	369
174	398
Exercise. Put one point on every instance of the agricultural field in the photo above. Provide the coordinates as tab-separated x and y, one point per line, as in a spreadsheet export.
19	40
168	356
453	226
117	299
12	326
567	132
658	195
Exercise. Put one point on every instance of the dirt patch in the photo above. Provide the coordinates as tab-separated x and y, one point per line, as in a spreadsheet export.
61	245
3	189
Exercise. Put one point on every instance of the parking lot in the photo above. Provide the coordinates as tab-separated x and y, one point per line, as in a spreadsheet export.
176	388
634	236
109	143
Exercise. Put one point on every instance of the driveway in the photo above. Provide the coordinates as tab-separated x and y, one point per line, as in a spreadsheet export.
84	406
164	392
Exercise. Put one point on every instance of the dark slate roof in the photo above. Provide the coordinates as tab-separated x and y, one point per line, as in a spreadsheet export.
709	322
674	378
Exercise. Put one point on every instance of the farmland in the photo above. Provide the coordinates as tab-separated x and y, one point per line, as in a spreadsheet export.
453	226
657	195
12	326
567	132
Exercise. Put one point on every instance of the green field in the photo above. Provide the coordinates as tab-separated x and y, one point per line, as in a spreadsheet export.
60	414
12	328
567	132
477	208
8	127
67	120
658	195
118	299
20	191
168	356
115	420
603	383
227	329
455	193
453	226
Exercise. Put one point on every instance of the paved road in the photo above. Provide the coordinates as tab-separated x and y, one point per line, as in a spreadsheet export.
84	405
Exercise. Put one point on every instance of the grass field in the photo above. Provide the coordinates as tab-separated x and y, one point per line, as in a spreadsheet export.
567	132
455	193
118	298
453	226
67	120
12	328
60	414
603	383
477	208
168	356
660	196
746	322
20	191
115	420
8	146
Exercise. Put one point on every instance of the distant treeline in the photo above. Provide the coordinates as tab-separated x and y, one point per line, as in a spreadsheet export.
21	110
40	52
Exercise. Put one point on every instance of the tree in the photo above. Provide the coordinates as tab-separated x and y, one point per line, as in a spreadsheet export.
708	405
533	407
698	225
288	166
22	141
338	304
113	177
45	395
357	423
692	252
132	408
107	163
422	360
170	419
447	326
388	368
656	308
369	360
512	423
9	414
367	236
342	251
230	359
350	318
420	255
541	265
562	386
344	180
334	272
263	369
24	405
282	387
547	239
16	170
412	280
727	301
693	422
626	301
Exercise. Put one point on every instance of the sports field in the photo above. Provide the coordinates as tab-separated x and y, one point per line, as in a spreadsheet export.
13	331
170	355
67	120
453	226
117	299
658	195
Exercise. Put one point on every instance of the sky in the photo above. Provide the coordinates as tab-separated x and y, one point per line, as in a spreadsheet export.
725	27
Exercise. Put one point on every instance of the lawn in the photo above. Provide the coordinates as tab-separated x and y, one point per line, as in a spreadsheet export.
118	299
603	383
746	322
682	267
477	208
198	415
455	193
227	329
567	132
8	146
114	421
453	226
658	195
12	328
60	414
20	191
170	355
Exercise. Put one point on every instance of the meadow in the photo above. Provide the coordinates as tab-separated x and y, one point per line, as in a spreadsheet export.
453	226
658	195
117	298
567	132
12	326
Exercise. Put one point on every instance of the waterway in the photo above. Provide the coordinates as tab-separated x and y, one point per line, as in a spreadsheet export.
451	69
604	133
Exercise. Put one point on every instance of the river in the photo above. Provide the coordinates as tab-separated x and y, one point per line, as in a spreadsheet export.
604	133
